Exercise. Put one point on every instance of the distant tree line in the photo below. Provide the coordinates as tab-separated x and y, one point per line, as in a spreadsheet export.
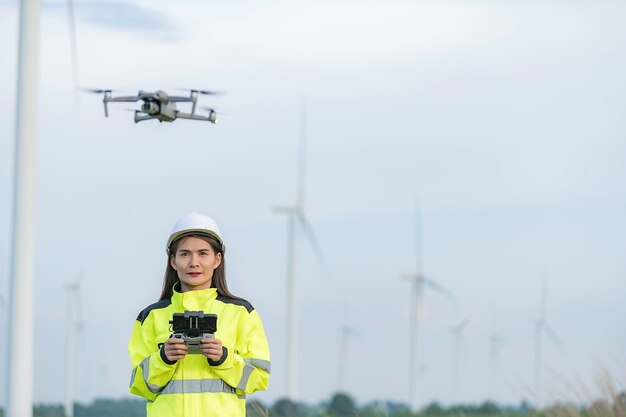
343	405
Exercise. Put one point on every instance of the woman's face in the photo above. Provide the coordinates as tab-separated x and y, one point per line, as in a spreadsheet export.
194	261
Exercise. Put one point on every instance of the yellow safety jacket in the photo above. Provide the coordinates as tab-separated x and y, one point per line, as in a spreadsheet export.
196	386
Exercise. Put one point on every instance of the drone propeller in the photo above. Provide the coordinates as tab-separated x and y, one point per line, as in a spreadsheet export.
107	95
94	90
200	91
207	92
213	109
212	114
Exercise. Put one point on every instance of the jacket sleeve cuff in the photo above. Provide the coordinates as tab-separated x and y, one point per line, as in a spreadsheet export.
164	358
222	359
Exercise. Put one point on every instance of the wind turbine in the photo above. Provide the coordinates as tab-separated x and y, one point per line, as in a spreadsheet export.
74	328
346	332
296	216
418	281
495	341
541	326
2	318
20	333
457	331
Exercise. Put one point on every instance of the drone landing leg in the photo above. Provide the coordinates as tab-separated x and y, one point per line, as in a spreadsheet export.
139	118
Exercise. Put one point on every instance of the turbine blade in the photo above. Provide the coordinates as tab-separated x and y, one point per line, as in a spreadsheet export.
285	210
438	288
302	152
78	300
410	277
81	275
418	237
348	331
552	335
544	300
459	327
79	307
314	243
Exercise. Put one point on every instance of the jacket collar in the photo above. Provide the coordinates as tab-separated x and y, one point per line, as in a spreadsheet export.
196	300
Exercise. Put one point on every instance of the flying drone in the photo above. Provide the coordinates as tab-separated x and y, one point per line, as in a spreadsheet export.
161	106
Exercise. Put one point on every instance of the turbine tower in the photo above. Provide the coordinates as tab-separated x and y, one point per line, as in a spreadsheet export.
20	334
495	341
541	327
457	331
73	45
74	328
296	216
2	326
346	332
418	281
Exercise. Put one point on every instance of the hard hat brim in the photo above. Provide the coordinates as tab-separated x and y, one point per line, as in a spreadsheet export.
183	233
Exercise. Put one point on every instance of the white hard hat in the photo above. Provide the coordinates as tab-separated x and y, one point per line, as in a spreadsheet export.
195	223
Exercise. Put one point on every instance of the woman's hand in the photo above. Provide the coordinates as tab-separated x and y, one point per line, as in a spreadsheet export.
175	349
212	349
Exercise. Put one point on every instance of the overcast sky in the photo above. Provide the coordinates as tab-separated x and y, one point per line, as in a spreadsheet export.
505	119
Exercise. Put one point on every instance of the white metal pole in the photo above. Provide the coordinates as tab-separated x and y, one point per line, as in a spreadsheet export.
493	359
70	349
292	287
413	347
456	367
418	288
414	384
292	336
343	356
292	360
20	340
538	381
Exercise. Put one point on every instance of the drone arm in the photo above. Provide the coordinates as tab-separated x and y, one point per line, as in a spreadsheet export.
210	118
179	99
105	100
123	99
108	98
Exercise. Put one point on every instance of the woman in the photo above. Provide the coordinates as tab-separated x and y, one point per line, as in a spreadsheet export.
233	363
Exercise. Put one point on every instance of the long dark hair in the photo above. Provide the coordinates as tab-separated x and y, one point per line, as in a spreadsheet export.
219	274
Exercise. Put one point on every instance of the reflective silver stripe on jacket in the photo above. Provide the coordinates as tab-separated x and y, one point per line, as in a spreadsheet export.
247	371
196	386
251	365
259	363
145	366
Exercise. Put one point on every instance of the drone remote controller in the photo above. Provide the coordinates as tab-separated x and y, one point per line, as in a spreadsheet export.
192	327
193	343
